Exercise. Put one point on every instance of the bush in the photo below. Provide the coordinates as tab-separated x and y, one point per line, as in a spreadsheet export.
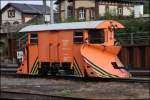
71	19
132	24
136	25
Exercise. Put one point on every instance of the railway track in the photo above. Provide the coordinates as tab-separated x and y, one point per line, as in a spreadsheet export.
140	73
8	69
11	95
142	76
84	79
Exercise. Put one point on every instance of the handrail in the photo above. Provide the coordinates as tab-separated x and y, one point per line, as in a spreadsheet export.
50	51
58	51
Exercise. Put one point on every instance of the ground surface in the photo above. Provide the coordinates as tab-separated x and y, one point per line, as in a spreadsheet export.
90	90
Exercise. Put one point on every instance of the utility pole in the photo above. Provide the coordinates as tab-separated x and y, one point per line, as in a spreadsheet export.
66	9
52	12
0	18
44	14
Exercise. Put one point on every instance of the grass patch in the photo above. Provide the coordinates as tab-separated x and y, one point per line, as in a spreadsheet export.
66	92
86	90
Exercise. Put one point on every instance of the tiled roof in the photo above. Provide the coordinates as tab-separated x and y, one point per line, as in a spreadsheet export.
29	8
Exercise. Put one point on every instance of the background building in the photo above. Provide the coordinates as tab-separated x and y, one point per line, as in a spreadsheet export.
94	9
15	13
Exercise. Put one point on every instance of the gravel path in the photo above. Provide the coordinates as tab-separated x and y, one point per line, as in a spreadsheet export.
91	90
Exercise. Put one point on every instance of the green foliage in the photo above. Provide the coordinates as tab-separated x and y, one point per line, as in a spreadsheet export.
36	20
136	25
147	8
132	25
66	92
86	90
136	32
111	14
70	19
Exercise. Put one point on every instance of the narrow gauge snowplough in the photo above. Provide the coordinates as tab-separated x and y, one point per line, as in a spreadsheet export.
82	49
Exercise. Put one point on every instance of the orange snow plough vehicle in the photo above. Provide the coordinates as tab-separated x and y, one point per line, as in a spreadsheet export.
79	48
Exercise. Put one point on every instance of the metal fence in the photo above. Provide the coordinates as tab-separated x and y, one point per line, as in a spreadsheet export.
140	38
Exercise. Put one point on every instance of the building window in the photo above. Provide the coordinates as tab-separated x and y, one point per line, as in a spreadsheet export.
11	13
34	38
107	9
92	13
120	11
81	14
70	11
78	37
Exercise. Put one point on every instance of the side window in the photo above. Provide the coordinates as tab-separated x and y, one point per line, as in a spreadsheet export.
78	37
34	38
96	36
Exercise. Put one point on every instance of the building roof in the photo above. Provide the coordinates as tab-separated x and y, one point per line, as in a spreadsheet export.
28	8
119	1
71	26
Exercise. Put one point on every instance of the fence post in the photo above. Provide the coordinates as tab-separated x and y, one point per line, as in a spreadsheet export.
132	39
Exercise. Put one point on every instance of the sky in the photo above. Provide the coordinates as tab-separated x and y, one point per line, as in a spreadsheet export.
39	2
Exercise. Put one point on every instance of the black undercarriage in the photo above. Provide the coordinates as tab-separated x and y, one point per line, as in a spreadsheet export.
55	69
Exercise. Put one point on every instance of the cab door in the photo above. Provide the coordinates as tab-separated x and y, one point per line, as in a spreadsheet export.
65	46
60	46
54	46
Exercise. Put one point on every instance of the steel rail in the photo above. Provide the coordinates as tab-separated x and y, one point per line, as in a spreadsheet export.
84	79
11	95
74	78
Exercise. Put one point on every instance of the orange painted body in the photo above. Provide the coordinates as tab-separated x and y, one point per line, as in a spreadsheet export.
85	59
97	61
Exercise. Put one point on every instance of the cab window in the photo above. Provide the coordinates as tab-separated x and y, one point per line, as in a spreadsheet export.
78	37
96	36
34	38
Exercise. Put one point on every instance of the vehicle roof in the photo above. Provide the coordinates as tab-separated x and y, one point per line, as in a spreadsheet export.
63	26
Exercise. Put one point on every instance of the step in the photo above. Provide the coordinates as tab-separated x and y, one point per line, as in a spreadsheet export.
9	66
7	73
